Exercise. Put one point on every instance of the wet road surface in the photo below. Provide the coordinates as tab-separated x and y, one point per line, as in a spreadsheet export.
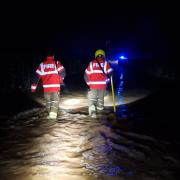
78	147
131	145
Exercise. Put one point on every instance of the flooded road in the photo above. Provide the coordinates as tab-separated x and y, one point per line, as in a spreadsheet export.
76	147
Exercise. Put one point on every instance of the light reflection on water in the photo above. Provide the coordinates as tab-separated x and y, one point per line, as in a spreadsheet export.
77	147
122	109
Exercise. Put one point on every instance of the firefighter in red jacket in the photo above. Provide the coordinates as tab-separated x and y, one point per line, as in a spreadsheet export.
96	78
52	74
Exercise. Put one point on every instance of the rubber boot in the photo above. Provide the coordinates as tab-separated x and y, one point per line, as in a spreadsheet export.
92	111
52	115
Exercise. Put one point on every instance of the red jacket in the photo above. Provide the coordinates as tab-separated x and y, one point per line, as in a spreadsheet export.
96	79
49	71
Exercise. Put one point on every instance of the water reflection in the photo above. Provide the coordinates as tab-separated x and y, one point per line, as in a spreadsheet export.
122	110
77	147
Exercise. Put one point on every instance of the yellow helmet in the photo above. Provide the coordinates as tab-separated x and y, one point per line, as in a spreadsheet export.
99	52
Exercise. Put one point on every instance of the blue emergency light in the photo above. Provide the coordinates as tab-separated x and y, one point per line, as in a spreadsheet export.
122	57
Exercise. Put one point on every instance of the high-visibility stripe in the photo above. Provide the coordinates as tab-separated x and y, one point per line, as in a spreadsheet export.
88	72
39	72
91	67
60	68
51	85
99	108
105	66
33	87
96	82
50	72
42	69
98	71
54	101
54	107
109	70
92	99
45	73
94	71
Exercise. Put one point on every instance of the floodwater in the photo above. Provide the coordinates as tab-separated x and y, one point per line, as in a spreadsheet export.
77	147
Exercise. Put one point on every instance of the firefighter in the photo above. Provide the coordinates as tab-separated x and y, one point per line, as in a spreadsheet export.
96	76
52	74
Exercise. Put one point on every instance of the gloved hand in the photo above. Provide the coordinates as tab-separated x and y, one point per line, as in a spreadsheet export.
33	87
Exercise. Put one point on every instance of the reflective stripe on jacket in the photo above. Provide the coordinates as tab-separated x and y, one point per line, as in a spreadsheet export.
49	71
96	79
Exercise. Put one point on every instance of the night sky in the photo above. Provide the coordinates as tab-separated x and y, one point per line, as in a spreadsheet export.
76	31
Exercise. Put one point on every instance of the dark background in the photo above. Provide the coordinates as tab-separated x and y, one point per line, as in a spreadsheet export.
147	35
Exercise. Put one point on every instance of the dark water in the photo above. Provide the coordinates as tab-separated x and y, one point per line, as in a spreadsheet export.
140	142
77	147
